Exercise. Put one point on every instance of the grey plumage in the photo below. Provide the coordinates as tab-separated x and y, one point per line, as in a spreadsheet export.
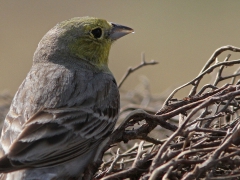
60	114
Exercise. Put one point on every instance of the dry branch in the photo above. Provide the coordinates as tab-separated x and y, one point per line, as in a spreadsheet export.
203	130
203	145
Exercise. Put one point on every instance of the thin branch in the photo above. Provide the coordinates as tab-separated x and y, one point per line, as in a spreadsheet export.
203	145
212	60
219	74
131	70
198	78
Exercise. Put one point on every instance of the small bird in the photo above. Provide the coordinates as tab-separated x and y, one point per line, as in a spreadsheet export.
66	106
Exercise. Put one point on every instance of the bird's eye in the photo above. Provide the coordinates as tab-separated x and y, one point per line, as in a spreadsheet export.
97	33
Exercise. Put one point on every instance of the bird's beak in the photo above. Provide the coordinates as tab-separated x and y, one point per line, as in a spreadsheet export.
119	31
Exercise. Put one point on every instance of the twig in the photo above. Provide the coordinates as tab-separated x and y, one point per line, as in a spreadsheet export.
131	70
201	146
211	60
219	74
198	78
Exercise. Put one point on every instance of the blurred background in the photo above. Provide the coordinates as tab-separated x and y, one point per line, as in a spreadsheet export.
180	35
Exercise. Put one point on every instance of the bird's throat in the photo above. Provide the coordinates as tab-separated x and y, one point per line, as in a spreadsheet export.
94	52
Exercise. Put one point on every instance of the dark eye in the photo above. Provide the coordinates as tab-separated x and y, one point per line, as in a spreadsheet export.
97	33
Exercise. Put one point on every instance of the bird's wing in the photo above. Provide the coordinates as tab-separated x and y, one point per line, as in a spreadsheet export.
59	135
53	136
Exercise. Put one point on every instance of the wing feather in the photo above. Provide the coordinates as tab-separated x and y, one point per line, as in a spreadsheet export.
61	123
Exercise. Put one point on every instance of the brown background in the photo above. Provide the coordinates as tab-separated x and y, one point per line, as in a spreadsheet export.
181	35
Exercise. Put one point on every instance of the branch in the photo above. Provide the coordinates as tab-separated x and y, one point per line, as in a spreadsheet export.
131	70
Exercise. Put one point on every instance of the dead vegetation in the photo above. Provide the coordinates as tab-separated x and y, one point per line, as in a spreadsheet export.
203	130
196	137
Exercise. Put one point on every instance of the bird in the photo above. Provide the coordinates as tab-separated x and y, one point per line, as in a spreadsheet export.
67	104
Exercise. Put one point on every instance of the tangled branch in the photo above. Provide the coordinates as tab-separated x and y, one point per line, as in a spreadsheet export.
203	144
195	137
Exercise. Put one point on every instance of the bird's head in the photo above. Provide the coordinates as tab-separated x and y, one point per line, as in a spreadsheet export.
86	38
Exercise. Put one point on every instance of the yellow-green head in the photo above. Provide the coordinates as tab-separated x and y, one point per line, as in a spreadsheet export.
86	38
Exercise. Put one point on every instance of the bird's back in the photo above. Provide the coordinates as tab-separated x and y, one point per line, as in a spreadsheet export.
55	110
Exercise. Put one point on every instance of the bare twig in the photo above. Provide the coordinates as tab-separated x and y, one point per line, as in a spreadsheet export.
212	60
205	143
131	70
